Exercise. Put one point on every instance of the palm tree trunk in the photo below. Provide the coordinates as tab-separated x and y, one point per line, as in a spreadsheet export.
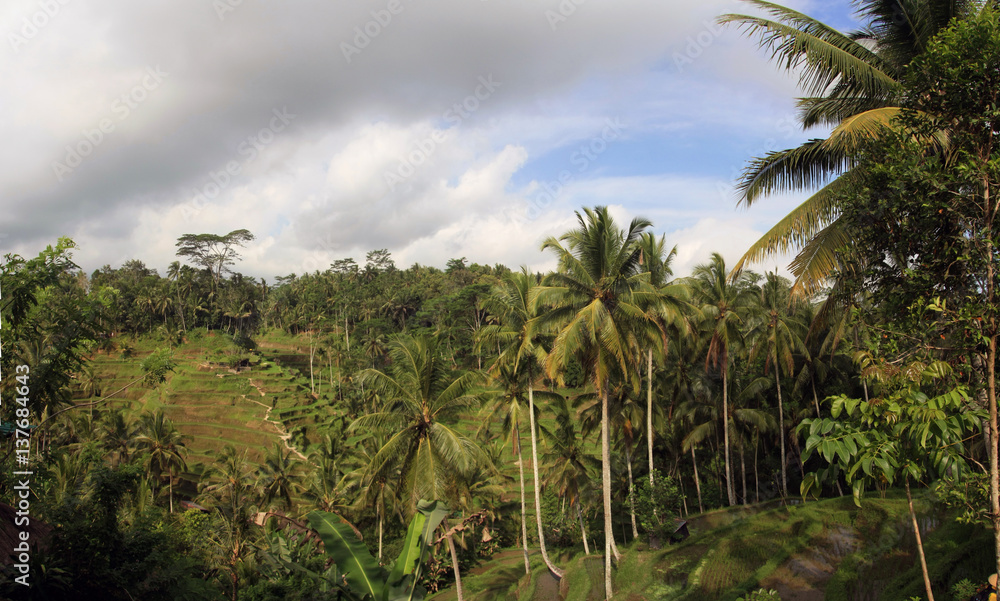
756	477
583	531
725	431
606	489
380	537
538	493
815	398
781	426
743	470
920	544
649	412
170	486
454	564
697	484
631	487
524	512
684	501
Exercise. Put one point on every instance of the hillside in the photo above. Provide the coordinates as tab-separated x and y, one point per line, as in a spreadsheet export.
828	549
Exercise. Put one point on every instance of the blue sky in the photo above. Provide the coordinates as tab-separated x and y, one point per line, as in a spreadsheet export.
436	130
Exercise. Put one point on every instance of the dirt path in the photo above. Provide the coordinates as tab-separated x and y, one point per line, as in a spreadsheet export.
282	433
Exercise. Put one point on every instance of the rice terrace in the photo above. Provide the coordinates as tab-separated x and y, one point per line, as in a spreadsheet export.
566	300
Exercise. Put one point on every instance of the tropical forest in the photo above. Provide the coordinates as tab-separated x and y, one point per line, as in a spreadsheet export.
606	429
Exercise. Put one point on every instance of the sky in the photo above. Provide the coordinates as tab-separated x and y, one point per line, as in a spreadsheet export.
435	129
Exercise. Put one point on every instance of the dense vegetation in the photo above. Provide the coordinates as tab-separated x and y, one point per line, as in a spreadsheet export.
204	434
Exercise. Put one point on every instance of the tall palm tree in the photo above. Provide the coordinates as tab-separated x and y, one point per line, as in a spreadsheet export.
599	293
724	304
518	364
164	446
851	82
118	432
421	399
278	479
670	310
569	465
229	484
780	335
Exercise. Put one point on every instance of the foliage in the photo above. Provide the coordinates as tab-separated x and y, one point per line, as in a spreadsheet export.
365	577
657	505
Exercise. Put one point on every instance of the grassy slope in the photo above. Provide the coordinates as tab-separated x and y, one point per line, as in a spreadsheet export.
806	551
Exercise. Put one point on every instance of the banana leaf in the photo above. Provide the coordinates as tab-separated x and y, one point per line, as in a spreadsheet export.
365	577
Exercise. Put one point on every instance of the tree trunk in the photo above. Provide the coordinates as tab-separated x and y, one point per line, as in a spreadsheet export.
583	531
781	426
815	398
756	477
920	544
743	471
170	487
994	472
606	489
454	564
380	537
538	493
631	487
697	484
649	412
730	492
684	501
524	512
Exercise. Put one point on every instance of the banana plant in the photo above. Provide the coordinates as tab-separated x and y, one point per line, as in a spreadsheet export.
366	579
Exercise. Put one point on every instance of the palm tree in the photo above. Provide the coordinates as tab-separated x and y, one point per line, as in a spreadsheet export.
370	492
780	335
598	293
118	435
851	82
420	399
724	303
669	310
165	447
278	478
174	274
516	368
570	467
230	485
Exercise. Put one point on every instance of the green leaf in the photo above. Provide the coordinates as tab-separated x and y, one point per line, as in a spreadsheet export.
363	574
418	537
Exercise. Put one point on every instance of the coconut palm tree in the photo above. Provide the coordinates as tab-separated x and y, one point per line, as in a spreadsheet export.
851	81
670	310
164	447
518	365
570	468
724	304
599	293
279	474
229	485
421	399
780	335
118	432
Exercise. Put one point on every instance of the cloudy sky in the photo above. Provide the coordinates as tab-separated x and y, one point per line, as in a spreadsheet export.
433	128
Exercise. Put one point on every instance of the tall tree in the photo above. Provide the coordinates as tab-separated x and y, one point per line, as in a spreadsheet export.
779	335
517	366
164	446
212	251
598	293
851	81
421	400
724	303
